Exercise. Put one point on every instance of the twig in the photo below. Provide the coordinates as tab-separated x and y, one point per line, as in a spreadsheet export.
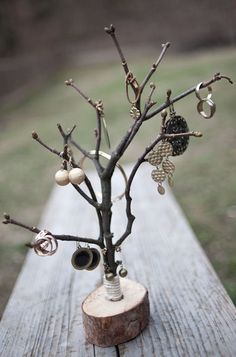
66	135
165	46
70	83
129	214
61	154
215	78
111	31
63	237
197	134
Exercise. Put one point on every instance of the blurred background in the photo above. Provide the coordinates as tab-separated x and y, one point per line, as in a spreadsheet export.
42	43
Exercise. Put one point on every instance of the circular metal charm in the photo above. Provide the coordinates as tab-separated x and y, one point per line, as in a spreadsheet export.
154	158
134	112
168	166
158	175
161	189
176	125
165	149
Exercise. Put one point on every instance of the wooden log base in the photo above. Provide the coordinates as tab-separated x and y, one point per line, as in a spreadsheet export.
108	323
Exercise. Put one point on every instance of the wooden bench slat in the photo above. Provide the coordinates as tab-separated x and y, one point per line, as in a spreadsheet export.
191	314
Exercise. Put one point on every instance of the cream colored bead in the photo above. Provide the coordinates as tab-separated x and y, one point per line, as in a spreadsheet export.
76	176
62	177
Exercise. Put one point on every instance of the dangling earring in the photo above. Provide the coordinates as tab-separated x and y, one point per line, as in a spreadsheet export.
168	147
62	175
176	124
131	80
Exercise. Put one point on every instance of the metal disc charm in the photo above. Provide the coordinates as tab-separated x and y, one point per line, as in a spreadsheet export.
165	149
170	181
161	189
154	158
158	175
134	112
168	166
176	125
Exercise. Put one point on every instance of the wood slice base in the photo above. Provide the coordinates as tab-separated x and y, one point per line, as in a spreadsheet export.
108	323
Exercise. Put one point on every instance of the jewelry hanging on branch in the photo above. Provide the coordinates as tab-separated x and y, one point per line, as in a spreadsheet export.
45	244
131	80
175	146
207	100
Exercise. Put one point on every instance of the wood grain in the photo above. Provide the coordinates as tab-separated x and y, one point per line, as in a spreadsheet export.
108	323
191	314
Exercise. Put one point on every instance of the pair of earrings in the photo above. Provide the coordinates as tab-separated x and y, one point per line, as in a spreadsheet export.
85	258
75	176
173	146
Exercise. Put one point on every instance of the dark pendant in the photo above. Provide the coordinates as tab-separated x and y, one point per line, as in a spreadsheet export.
175	125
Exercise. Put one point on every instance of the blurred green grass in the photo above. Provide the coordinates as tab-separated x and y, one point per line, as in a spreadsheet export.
205	174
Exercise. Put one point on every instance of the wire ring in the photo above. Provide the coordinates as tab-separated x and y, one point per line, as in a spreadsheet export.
197	91
130	79
45	244
122	171
201	110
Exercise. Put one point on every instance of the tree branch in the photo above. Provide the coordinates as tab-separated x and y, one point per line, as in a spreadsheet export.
130	216
63	237
111	31
215	78
165	46
65	157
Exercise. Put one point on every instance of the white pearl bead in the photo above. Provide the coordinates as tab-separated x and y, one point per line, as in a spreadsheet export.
62	177
76	176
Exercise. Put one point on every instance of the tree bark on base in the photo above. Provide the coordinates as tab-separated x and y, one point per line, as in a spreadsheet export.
108	323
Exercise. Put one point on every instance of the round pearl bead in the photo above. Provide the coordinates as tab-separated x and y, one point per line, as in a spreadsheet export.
76	176
62	177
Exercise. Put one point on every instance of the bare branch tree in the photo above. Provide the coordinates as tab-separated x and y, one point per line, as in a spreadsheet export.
105	173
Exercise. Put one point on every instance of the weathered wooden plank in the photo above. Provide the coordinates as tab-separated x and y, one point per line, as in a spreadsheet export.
191	314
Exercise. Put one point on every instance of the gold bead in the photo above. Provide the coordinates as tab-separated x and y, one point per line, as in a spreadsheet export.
164	113
62	177
76	176
123	272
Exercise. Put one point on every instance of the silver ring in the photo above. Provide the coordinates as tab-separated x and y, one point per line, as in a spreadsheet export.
45	244
197	91
201	111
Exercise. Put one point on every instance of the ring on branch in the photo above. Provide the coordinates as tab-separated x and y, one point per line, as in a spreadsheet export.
122	171
197	91
45	244
201	110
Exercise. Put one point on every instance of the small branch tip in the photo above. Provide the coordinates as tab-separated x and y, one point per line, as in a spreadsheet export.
6	216
69	82
34	135
110	30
